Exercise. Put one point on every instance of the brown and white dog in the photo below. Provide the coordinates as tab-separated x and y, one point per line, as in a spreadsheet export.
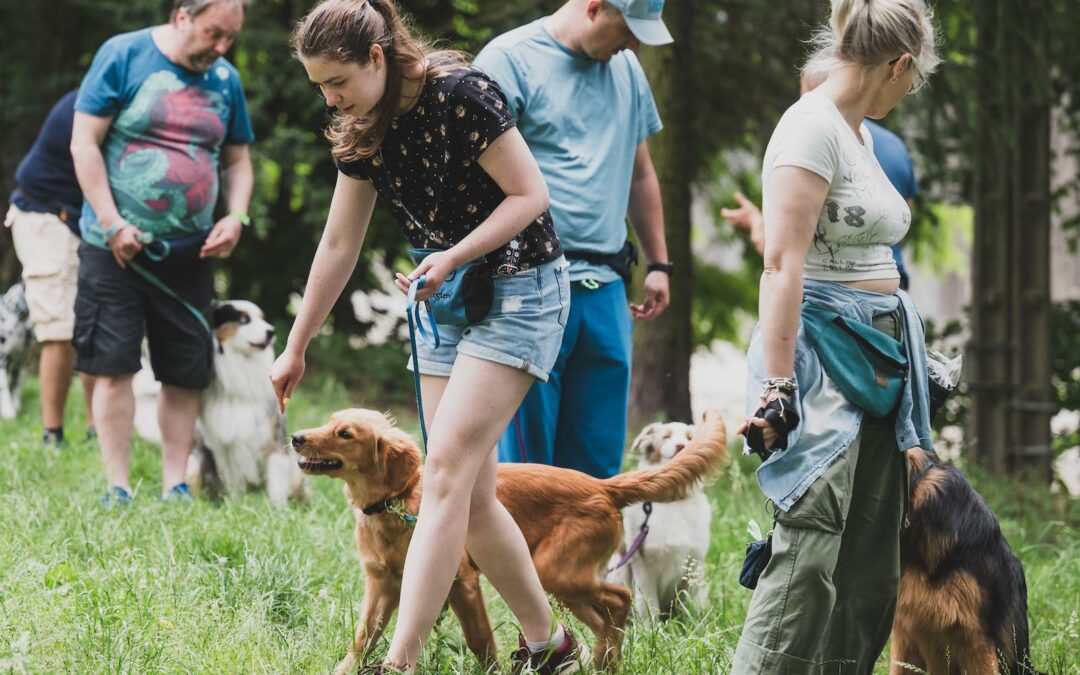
673	552
571	521
962	606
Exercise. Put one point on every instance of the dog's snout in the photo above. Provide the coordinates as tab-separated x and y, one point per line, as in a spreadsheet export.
679	447
298	440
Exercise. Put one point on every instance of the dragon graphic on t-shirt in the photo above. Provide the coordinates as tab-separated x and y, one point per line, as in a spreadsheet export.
162	155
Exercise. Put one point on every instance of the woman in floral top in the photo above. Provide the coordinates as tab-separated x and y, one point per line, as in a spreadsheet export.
433	137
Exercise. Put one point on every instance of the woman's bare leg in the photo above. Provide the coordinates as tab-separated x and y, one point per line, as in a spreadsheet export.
467	419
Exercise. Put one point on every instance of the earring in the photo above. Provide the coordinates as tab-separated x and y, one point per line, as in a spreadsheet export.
893	80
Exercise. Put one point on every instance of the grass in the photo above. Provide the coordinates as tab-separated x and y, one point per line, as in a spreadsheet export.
243	587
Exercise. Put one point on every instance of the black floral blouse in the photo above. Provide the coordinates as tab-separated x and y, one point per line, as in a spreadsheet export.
427	169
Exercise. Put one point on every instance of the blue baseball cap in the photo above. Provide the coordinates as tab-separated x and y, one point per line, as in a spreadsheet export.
643	18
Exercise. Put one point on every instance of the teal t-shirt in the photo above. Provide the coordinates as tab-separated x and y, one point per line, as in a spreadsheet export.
161	152
583	121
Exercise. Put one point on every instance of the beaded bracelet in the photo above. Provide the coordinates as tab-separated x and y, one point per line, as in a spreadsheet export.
781	385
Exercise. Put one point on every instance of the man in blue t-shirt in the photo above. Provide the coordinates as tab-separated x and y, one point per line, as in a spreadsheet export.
583	105
44	222
895	161
160	115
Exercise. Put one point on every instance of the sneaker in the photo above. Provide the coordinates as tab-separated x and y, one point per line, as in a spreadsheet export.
563	659
380	669
177	493
116	496
53	439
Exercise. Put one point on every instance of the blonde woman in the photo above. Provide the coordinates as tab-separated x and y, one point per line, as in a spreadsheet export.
434	137
835	474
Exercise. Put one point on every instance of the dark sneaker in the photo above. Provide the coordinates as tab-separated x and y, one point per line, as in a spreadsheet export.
53	438
562	660
177	493
116	496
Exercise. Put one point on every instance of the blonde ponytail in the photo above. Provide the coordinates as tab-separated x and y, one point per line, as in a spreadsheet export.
871	32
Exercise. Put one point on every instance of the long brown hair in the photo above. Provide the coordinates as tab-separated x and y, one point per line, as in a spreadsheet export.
344	30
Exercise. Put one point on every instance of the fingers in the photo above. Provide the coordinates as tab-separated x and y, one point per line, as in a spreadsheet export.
743	201
219	250
219	244
421	269
283	389
645	312
279	392
403	284
124	250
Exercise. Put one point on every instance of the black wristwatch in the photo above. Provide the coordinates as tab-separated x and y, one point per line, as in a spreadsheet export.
667	268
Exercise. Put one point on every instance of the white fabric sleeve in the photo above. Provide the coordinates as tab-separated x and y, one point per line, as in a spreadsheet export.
807	140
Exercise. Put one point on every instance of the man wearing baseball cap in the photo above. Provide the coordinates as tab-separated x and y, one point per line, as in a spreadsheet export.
582	102
643	19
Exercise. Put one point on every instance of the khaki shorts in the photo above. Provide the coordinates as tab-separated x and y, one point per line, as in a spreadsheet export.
49	254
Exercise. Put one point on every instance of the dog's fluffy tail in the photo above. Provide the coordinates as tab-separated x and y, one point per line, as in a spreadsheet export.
695	464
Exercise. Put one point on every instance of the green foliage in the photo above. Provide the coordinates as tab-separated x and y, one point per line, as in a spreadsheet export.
1066	335
722	301
943	120
374	374
1066	332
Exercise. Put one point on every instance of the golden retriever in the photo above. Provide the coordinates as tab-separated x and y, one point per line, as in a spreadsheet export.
572	523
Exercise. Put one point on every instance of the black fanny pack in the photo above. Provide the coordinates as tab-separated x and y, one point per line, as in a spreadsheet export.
620	262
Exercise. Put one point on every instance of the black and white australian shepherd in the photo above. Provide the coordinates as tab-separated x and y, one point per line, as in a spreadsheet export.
670	559
15	341
241	444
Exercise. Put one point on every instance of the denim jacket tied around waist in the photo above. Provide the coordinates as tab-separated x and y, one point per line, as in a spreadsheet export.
829	422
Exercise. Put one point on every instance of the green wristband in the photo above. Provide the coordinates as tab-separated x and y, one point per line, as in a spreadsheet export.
244	218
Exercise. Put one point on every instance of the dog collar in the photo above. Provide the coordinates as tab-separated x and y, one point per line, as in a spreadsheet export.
396	506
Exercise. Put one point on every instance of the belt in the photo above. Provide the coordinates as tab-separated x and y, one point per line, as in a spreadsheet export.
64	213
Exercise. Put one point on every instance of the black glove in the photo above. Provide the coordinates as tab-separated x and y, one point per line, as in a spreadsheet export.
783	419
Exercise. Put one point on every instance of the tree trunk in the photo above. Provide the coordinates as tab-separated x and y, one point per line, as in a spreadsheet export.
660	384
1010	350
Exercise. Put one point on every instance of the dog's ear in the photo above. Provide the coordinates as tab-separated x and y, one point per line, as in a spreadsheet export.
225	312
397	457
646	438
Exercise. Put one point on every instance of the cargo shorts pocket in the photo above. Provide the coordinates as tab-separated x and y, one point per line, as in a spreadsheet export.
86	319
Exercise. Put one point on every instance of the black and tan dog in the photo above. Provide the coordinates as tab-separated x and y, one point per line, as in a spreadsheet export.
962	606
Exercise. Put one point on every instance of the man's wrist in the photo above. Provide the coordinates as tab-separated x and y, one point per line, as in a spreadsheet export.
114	228
242	216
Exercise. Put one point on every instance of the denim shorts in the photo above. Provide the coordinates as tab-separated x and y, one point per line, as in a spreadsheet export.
523	330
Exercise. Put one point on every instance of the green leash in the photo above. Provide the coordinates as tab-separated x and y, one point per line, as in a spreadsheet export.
156	250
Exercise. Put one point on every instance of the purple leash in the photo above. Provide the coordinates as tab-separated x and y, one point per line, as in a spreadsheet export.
638	541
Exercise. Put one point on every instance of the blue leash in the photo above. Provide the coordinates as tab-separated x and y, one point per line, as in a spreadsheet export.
416	325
